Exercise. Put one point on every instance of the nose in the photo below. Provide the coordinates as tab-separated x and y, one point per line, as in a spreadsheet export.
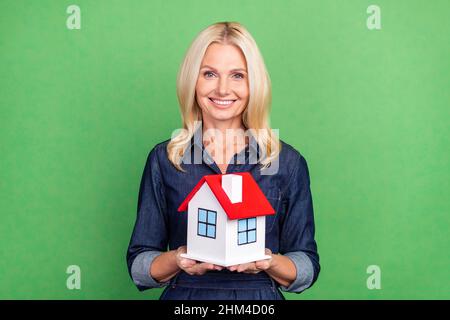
223	87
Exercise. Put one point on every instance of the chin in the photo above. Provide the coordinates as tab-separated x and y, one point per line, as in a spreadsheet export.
221	117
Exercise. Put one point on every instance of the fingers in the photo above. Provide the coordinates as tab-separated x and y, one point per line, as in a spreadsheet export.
266	263
201	268
191	266
245	267
233	268
187	263
181	249
253	267
262	264
249	267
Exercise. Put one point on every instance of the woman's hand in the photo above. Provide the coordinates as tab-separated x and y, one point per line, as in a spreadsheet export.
193	267
254	267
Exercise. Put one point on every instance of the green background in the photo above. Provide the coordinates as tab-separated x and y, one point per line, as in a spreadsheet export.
368	109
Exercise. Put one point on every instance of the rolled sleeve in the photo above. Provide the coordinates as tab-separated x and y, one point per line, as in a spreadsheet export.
305	272
298	228
150	234
140	270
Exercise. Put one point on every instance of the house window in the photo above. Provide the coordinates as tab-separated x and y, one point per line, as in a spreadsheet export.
206	223
246	231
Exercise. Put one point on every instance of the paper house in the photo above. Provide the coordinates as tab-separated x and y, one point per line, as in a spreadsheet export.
226	220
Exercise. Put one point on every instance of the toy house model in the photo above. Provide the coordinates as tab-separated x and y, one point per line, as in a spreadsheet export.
226	220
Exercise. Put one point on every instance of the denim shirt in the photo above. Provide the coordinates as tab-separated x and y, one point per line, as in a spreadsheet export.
160	227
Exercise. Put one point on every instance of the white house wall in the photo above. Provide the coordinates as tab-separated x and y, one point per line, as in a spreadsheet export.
246	252
211	249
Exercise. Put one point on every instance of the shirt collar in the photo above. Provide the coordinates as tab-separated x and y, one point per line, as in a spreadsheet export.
196	141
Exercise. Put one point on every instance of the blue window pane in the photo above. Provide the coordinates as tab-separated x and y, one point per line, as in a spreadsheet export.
242	237
212	217
242	224
251	236
201	215
211	231
251	223
202	229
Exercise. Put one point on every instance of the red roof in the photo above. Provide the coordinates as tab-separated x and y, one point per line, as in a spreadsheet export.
254	202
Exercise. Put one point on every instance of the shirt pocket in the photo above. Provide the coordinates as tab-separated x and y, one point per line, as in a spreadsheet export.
273	195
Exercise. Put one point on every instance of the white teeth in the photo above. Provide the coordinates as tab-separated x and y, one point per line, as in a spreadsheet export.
223	102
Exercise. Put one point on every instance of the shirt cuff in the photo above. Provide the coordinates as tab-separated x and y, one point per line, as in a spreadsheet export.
140	270
305	272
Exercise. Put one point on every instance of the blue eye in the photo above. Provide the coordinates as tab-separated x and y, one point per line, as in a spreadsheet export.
207	73
240	75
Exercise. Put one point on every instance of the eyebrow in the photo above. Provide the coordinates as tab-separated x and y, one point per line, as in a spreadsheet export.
237	69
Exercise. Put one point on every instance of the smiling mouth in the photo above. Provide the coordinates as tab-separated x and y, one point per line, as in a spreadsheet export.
222	103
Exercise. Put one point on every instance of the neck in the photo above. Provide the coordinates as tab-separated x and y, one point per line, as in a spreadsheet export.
232	134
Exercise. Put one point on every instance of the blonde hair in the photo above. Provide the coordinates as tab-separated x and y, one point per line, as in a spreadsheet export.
255	115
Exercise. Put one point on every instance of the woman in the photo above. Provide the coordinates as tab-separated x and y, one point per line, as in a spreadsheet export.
223	87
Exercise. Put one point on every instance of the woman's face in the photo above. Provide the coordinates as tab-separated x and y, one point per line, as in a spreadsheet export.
222	86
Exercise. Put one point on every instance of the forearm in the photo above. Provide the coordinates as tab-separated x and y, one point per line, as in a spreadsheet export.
282	270
164	266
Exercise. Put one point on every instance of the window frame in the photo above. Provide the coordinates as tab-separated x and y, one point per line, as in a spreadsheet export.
207	223
246	231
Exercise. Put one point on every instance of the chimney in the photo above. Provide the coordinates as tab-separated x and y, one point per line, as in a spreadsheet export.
232	185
